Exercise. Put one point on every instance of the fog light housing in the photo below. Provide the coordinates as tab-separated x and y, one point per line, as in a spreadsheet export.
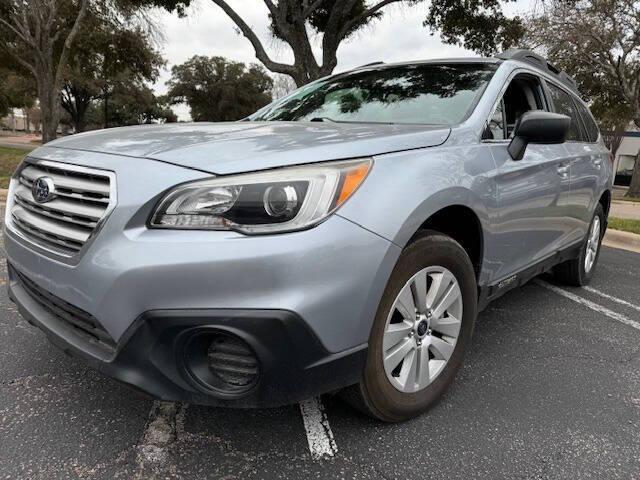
221	362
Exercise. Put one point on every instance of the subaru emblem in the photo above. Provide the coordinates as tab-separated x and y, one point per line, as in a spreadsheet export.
43	189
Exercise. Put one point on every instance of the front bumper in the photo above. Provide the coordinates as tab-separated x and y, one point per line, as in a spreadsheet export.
151	356
304	301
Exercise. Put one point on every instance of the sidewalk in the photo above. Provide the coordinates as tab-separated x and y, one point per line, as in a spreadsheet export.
622	209
30	141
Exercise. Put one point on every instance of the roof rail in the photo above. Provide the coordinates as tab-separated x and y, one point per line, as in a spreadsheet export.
369	65
539	61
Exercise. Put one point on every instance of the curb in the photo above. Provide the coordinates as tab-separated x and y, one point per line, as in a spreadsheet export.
3	195
623	240
626	202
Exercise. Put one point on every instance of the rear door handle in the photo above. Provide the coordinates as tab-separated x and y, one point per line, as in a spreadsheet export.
563	171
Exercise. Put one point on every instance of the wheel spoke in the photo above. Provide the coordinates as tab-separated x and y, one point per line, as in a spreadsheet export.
420	291
413	356
440	283
405	304
397	354
407	376
450	296
449	326
441	349
422	375
395	333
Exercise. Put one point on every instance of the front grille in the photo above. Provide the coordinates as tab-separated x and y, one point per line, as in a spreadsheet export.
83	324
64	224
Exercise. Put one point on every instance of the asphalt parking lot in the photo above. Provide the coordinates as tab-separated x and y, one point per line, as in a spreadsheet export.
550	389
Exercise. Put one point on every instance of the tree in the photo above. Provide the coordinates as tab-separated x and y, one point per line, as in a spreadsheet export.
109	50
479	25
132	104
282	85
39	35
17	90
217	89
598	41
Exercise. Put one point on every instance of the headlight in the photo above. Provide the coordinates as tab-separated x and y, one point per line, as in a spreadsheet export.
282	200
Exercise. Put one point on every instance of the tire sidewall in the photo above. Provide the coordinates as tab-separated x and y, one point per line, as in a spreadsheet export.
432	250
585	277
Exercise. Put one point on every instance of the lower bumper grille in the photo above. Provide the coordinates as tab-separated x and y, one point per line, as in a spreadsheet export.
83	324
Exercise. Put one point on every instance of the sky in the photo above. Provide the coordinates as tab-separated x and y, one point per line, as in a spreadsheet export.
206	30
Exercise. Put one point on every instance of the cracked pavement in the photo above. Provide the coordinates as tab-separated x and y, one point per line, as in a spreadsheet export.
550	390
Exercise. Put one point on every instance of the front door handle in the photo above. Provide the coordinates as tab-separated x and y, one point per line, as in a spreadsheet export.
597	163
563	171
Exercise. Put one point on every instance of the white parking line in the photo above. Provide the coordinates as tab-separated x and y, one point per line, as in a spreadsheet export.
612	298
319	434
592	305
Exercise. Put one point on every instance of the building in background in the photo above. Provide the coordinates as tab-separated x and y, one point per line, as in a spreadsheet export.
626	157
17	122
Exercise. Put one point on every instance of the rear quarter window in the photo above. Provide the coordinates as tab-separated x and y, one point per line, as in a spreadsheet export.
565	105
588	122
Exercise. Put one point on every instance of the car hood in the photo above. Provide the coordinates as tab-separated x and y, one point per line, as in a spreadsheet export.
223	148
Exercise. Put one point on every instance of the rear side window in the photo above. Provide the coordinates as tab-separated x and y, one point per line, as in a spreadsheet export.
588	122
564	104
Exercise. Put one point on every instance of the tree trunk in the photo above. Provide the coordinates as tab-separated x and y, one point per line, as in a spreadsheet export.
106	110
634	187
49	97
27	124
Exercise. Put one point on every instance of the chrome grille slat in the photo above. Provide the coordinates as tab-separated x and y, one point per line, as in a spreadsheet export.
34	208
62	180
55	228
66	222
67	208
77	196
71	248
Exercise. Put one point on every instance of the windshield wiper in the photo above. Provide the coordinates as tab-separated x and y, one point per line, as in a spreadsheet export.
323	119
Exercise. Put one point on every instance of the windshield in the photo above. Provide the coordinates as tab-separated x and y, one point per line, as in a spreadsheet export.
441	94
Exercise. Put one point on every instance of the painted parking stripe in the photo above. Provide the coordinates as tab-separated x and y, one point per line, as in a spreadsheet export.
589	304
316	424
612	298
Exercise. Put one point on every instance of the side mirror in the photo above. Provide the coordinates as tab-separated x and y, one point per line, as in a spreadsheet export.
538	127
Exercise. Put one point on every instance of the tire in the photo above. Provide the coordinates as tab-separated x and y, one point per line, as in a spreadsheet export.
575	272
381	393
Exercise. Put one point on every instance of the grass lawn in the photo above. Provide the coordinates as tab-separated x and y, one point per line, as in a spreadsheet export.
624	224
9	160
630	199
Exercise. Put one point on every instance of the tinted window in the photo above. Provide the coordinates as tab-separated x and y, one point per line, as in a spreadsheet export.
564	104
427	94
522	95
588	122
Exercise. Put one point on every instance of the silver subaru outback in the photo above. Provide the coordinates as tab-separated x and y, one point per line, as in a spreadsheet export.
342	238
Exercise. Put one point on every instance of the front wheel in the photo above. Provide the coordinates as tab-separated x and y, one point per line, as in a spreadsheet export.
423	324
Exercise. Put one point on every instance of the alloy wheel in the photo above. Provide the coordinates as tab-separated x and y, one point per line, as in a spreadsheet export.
593	242
422	329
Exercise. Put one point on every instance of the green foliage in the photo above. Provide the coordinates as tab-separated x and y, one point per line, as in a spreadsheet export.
110	51
479	25
17	90
217	89
133	105
319	18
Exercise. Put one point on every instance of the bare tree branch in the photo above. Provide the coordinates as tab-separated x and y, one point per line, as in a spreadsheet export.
259	49
64	56
366	14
